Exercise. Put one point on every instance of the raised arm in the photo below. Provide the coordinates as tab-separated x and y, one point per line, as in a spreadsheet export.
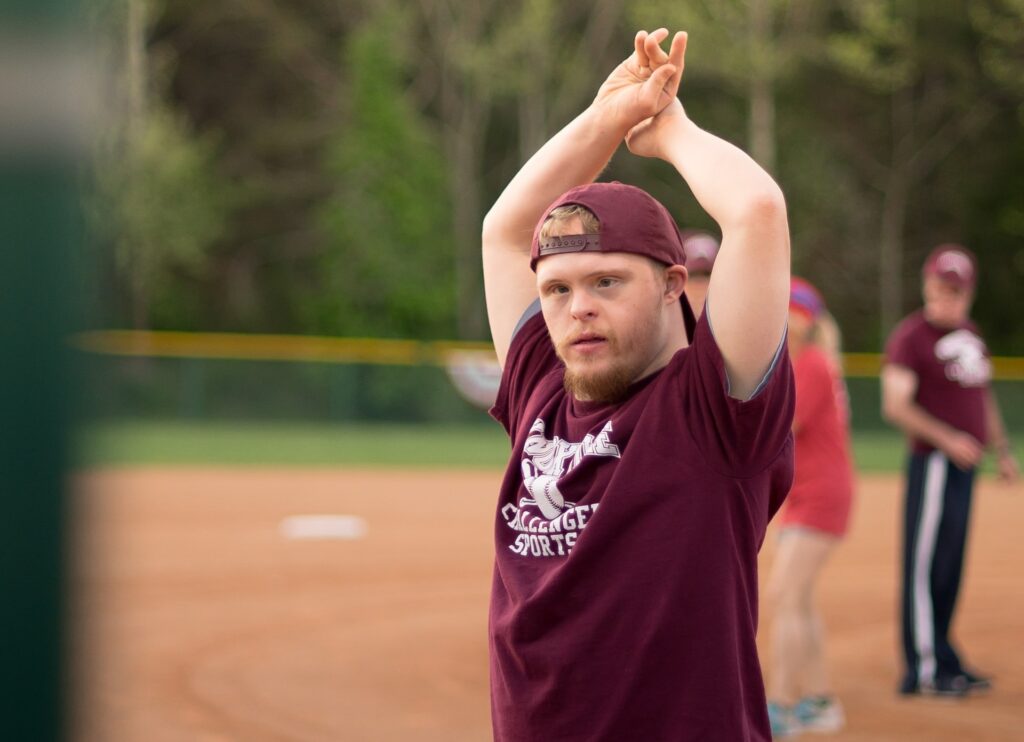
748	296
576	155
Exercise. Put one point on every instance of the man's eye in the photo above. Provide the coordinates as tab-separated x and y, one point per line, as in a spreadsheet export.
558	290
605	282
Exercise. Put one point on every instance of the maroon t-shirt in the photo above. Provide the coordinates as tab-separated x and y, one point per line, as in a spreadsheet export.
953	372
624	604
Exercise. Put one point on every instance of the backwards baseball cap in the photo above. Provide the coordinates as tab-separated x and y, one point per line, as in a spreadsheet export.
803	297
631	221
701	250
952	263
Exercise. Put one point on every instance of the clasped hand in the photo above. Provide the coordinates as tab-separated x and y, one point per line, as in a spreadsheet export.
643	87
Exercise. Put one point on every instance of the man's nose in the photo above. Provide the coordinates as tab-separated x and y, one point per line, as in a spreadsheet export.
583	306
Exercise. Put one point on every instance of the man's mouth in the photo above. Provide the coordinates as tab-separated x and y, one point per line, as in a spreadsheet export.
588	341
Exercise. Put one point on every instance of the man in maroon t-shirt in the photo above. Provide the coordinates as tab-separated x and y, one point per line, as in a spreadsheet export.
649	450
935	387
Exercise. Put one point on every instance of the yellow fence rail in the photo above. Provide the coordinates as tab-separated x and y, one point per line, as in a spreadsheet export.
308	348
320	349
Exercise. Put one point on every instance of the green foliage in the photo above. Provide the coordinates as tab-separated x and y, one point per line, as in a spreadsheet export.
878	48
363	141
718	43
389	263
1001	25
159	205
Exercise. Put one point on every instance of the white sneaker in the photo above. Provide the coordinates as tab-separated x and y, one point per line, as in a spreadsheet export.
820	714
783	721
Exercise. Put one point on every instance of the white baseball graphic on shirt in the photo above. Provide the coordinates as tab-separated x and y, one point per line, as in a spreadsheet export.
544	489
546	460
545	522
963	354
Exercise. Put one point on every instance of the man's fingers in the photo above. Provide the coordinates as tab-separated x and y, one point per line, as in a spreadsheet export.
656	85
659	35
968	455
677	51
662	75
639	42
652	46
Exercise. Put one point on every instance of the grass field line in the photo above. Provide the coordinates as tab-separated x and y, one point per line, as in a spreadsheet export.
302	444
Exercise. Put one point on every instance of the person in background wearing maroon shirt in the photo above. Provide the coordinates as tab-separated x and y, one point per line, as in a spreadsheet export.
812	522
649	449
936	389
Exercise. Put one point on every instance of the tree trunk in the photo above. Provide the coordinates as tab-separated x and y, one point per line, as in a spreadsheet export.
761	119
465	109
901	177
135	67
761	124
136	72
532	100
139	300
533	123
464	147
890	245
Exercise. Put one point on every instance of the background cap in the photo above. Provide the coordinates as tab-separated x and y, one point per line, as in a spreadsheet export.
701	250
803	297
952	263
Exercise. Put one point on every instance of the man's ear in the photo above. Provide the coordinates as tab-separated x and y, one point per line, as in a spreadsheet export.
675	282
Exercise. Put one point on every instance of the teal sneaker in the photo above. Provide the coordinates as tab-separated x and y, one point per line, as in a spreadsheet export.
819	714
783	721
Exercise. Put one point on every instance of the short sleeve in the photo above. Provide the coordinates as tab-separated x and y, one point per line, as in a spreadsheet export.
899	349
531	356
739	438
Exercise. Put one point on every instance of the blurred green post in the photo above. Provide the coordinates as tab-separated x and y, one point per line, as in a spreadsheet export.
41	125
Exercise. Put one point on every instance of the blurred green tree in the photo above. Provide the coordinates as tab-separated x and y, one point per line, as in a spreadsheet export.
499	77
915	94
156	201
264	80
750	47
346	196
388	266
159	205
996	219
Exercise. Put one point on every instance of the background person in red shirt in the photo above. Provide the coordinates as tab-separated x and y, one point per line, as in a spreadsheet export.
812	522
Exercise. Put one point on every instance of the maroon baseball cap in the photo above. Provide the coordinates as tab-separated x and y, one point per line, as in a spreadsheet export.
954	264
631	221
701	250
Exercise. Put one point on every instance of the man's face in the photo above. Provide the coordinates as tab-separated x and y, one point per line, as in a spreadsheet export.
605	314
946	304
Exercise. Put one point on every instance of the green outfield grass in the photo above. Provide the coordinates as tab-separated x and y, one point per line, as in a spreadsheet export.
309	444
291	444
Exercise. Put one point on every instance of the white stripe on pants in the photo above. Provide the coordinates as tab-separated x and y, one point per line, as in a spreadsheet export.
924	553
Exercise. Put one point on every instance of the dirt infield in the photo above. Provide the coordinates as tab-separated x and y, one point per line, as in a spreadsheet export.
198	619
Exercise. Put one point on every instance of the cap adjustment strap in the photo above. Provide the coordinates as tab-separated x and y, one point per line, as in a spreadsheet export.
570	243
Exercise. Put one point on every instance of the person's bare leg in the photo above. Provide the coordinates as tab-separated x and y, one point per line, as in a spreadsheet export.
815	680
797	649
